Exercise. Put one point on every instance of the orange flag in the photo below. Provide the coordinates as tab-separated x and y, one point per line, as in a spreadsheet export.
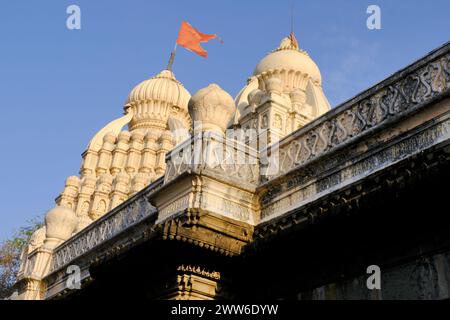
190	38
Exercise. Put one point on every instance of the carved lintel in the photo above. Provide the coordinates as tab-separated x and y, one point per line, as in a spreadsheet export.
210	231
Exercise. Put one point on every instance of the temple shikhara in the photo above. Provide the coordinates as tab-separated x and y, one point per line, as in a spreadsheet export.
272	194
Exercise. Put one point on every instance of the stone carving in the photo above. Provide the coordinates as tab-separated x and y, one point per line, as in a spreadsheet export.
102	230
388	102
216	153
211	109
174	207
200	271
378	161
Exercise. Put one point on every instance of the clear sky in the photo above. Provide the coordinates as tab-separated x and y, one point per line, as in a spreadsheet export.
59	86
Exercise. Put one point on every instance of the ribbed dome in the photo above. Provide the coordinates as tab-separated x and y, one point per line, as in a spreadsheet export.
154	100
288	59
163	87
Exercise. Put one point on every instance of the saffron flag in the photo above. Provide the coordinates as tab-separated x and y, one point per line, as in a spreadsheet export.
190	39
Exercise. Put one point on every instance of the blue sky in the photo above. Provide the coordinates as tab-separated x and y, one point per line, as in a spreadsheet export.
59	86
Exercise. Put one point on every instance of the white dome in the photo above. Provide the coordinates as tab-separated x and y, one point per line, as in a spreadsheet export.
289	59
155	99
162	87
60	223
213	108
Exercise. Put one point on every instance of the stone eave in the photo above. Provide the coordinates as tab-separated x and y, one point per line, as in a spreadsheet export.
398	177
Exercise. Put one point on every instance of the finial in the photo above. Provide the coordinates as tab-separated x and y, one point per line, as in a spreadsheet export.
294	41
288	43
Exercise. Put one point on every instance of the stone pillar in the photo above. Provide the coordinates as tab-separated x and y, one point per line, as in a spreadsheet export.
90	159
105	154
300	114
190	282
100	201
148	161
166	144
69	196
120	153
139	182
121	189
60	224
134	153
84	201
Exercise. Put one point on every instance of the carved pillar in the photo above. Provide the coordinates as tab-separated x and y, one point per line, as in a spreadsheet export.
105	154
121	189
100	201
189	282
120	153
148	160
68	197
134	153
84	201
60	222
90	158
299	114
273	114
34	289
166	144
139	182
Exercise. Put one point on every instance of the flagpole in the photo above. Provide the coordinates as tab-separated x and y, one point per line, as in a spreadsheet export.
172	57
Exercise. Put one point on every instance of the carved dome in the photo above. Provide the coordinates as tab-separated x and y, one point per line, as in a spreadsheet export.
291	74
213	108
60	223
155	99
291	64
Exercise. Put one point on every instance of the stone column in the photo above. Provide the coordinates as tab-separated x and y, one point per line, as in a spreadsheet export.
134	153
60	224
120	153
189	282
90	159
69	196
148	161
100	201
139	182
121	189
105	154
84	201
166	144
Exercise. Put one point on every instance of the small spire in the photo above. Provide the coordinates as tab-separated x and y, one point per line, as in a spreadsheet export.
294	41
288	43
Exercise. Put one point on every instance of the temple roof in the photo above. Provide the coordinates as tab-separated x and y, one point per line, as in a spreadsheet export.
288	57
162	87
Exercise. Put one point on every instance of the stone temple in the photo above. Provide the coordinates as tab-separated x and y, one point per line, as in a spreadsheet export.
270	195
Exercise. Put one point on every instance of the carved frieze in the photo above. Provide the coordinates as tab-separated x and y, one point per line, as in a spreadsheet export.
289	200
102	230
217	154
380	107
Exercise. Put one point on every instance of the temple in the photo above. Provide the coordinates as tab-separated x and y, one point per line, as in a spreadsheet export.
269	195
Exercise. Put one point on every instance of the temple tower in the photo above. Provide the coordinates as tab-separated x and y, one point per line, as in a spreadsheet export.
284	93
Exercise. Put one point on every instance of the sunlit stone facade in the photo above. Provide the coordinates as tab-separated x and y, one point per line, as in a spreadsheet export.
222	212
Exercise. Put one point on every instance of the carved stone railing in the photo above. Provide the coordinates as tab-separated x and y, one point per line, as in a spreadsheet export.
210	152
392	99
128	214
